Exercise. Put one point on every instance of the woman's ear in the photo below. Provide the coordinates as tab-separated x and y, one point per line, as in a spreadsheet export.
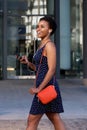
50	30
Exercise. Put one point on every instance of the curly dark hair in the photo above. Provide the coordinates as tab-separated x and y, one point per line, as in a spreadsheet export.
51	22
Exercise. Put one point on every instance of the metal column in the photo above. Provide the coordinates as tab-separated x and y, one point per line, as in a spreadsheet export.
57	35
4	65
84	38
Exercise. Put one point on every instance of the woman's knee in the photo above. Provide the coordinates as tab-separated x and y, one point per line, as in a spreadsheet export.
53	117
33	120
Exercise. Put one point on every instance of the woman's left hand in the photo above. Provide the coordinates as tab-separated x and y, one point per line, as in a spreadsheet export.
33	90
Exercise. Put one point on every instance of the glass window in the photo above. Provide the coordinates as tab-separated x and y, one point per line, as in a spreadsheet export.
1	5
22	18
71	45
1	46
76	37
30	7
1	36
21	40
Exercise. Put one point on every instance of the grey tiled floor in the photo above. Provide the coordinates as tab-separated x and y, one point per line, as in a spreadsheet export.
15	103
71	124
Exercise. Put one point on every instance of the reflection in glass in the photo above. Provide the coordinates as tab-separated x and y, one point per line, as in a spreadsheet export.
21	40
1	5
21	32
30	7
76	36
1	46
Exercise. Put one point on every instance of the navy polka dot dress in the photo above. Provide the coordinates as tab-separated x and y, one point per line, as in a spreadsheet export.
54	106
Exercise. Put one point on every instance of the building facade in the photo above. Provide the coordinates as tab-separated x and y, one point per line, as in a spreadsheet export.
18	20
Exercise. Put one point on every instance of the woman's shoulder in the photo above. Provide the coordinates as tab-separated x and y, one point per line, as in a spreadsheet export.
50	45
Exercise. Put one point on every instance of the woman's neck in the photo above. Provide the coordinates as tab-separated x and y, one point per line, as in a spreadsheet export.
43	41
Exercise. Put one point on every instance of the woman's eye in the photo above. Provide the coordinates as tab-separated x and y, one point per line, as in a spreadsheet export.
42	26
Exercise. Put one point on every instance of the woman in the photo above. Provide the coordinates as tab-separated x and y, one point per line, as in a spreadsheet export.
45	28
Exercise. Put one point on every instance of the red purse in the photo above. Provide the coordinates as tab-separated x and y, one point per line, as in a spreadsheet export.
47	94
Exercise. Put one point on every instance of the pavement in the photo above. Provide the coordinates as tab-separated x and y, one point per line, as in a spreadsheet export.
15	102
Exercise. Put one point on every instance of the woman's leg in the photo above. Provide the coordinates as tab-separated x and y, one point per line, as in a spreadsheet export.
56	120
33	121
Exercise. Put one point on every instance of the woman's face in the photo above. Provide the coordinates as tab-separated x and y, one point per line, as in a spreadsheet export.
42	29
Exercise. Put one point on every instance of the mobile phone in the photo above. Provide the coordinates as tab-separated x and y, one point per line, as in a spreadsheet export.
18	57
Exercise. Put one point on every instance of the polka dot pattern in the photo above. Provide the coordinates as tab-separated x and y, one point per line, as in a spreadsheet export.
54	106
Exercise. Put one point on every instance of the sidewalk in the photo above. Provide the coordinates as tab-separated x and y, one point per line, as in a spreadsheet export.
15	103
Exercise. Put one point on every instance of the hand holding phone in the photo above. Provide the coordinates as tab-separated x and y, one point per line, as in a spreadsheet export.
20	57
24	59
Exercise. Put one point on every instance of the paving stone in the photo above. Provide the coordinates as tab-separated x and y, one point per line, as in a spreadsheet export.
71	124
15	102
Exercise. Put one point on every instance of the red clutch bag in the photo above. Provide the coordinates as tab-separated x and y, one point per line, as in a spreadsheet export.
47	94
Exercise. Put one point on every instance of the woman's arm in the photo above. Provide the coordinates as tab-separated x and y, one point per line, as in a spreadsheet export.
31	65
50	52
24	60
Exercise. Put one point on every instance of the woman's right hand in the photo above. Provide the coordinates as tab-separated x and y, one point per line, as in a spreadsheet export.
24	60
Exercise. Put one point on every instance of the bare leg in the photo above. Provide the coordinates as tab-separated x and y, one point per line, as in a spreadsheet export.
56	120
33	121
